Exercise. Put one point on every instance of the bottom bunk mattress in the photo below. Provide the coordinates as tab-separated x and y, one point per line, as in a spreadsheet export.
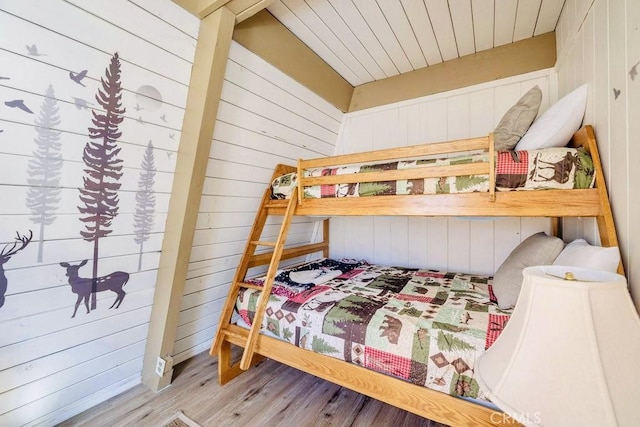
420	325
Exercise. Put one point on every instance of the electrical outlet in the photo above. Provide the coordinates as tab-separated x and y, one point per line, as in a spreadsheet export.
160	365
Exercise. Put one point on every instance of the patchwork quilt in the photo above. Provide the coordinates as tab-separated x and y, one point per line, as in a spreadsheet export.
423	326
557	167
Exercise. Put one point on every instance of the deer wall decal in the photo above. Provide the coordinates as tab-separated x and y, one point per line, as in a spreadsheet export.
81	286
7	252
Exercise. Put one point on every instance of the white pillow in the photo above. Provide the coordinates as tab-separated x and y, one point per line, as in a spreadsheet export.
579	253
556	126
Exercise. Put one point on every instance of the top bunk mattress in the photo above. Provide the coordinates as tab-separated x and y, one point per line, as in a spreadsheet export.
423	326
549	168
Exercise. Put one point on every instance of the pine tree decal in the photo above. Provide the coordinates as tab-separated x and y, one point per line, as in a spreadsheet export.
319	345
44	168
103	167
448	342
145	202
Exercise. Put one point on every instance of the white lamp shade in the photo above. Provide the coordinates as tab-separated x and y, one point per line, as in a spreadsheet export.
570	353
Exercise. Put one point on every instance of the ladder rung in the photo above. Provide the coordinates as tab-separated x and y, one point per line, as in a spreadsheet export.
262	243
250	286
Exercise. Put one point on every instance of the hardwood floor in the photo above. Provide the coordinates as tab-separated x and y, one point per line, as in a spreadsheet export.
270	394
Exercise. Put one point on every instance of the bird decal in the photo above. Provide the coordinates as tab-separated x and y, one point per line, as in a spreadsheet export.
78	77
616	93
138	107
4	78
18	103
163	118
33	50
1	130
81	103
139	120
633	72
171	136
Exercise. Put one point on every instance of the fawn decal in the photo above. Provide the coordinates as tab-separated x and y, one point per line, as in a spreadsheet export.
7	252
82	286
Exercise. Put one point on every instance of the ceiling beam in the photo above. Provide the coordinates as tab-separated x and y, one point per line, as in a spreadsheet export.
203	97
242	9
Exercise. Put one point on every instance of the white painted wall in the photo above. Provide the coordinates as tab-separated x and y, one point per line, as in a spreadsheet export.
598	43
265	118
53	366
451	244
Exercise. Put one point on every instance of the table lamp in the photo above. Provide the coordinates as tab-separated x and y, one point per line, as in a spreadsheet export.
570	353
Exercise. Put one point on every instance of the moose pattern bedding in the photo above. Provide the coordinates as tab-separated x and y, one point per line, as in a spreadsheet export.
550	168
423	326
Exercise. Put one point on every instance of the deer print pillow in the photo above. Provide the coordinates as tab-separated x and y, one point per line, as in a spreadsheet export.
559	168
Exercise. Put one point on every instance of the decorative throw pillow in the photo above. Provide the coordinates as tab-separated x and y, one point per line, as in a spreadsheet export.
516	121
537	249
579	253
556	126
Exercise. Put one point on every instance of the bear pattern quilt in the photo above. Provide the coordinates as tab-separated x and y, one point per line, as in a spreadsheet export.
423	326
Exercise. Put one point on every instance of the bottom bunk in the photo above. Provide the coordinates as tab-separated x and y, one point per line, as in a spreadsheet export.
405	336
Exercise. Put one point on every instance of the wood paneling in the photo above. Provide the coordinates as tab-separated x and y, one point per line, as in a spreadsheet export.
511	60
265	118
454	244
269	39
400	36
52	365
598	46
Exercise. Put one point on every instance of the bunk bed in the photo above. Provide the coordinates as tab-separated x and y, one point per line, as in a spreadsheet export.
312	179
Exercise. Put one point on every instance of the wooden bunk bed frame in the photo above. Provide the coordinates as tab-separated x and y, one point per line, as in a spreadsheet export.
420	400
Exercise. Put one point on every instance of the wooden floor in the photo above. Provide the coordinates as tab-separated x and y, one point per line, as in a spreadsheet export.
270	394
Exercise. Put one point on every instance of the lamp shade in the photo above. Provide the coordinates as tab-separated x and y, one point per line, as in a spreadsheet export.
570	354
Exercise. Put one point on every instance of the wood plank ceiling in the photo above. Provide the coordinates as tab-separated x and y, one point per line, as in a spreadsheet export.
367	40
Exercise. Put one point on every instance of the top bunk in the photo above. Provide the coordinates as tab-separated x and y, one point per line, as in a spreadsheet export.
488	200
551	202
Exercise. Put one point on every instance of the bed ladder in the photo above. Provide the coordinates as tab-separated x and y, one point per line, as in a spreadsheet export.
265	290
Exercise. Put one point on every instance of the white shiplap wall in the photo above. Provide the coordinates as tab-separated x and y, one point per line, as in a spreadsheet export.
453	244
53	366
598	43
265	118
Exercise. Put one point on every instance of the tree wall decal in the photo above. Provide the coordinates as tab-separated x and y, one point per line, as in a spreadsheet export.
145	201
103	166
45	167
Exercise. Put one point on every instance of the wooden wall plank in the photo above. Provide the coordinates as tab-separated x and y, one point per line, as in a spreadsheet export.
291	21
348	11
633	88
548	16
462	19
398	20
317	26
421	25
483	18
505	19
526	18
443	28
384	34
